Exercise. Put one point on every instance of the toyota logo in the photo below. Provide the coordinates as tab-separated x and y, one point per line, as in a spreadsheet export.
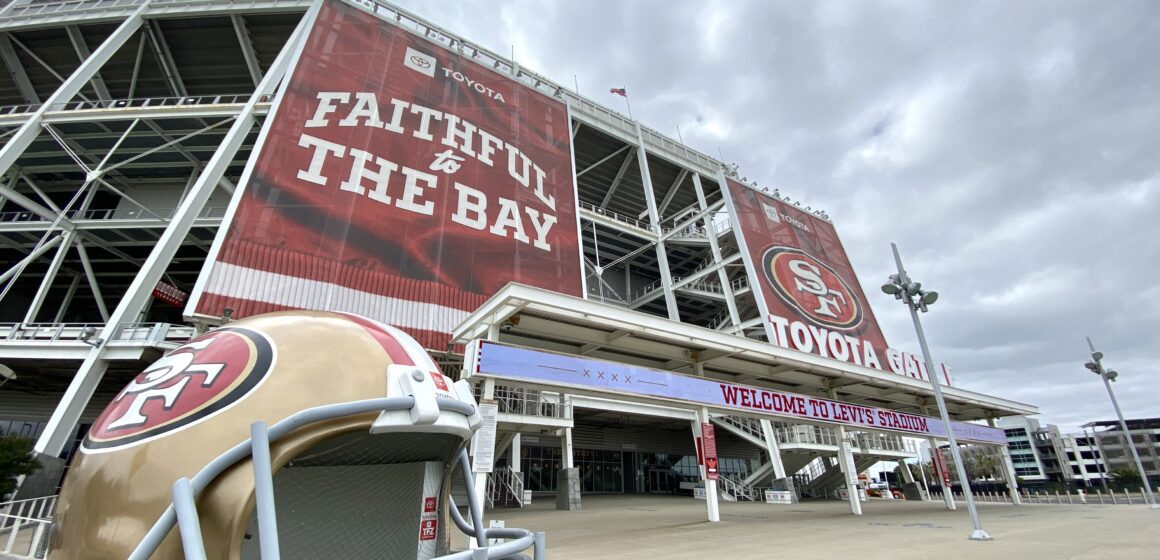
420	62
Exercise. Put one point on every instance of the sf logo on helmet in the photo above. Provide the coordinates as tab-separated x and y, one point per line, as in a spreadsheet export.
193	382
812	288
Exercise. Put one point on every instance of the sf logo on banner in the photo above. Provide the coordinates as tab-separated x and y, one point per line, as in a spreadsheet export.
811	288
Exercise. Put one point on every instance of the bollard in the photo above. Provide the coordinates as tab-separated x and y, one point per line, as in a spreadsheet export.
1057	498
1069	502
1112	493
1100	493
1128	496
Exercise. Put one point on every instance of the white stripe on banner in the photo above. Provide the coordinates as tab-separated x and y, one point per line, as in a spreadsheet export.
279	289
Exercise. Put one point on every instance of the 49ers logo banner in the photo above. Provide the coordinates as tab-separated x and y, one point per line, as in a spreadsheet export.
401	181
201	378
811	287
811	296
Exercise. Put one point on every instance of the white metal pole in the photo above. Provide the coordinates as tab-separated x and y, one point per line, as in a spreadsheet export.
978	534
1124	427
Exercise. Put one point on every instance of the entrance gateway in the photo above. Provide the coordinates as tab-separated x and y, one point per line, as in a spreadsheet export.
515	365
613	395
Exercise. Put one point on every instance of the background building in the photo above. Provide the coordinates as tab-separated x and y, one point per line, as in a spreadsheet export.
1112	445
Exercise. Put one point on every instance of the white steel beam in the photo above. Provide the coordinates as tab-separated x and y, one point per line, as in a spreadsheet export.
655	225
68	297
78	41
715	250
676	186
247	47
602	160
16	69
76	397
49	277
619	177
35	254
165	58
71	86
87	265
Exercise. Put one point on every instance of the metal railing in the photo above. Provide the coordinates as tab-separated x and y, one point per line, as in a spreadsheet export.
25	526
806	434
738	491
746	424
111	214
639	224
136	103
531	402
73	332
504	486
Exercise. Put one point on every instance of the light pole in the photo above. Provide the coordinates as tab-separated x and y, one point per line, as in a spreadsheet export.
916	299
1097	367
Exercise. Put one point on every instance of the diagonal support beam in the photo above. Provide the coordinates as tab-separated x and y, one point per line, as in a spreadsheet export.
16	69
247	47
676	186
71	86
82	48
165	58
628	159
602	160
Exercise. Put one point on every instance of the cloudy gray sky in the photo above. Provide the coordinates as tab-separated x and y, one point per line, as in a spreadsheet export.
1011	149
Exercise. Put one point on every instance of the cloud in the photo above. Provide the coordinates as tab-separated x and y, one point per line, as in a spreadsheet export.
1010	148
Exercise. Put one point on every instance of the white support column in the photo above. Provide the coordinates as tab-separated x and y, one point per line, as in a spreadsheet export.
846	461
715	250
942	482
1009	470
515	460
49	277
771	447
28	132
712	504
64	419
481	478
566	450
655	223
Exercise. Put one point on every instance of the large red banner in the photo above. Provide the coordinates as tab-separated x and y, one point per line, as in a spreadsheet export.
401	181
812	298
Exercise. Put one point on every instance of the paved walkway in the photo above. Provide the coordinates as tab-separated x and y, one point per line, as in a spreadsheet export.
669	528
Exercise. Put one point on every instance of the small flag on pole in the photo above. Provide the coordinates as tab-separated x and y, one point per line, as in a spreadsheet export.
619	91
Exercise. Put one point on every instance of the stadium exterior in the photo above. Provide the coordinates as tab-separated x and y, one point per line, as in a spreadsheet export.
130	129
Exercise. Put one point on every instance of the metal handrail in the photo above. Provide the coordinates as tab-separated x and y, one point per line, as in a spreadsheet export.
639	224
136	103
110	214
69	332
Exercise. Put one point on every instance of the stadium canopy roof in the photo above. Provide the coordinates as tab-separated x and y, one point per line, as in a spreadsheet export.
548	320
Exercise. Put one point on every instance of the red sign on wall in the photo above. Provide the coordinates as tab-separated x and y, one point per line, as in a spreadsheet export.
709	448
812	299
401	181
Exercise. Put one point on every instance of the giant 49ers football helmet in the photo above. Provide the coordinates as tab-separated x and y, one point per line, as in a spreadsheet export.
363	430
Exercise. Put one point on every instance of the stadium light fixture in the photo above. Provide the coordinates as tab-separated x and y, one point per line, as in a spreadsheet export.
86	336
1097	367
916	300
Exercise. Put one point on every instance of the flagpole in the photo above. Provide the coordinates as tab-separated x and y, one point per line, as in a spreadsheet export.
629	103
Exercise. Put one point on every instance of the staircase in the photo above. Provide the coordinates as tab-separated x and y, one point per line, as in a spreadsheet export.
505	488
833	477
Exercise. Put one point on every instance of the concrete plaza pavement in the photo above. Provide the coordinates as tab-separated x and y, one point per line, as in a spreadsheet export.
672	528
